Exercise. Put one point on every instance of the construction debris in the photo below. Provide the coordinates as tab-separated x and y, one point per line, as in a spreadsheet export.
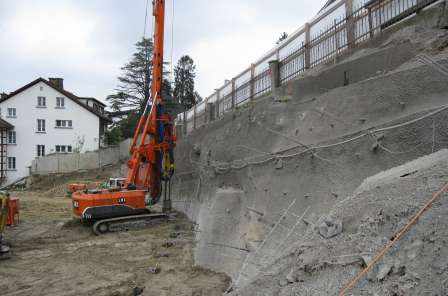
329	227
154	270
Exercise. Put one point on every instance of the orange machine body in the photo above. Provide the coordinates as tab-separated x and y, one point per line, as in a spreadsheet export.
105	204
82	186
152	160
76	187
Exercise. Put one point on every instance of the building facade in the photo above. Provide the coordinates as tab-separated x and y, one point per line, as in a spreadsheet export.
47	119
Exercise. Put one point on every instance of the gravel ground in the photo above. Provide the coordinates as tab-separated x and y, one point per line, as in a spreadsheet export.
55	255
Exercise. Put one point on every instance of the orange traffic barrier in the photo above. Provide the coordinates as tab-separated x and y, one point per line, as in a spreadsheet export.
13	212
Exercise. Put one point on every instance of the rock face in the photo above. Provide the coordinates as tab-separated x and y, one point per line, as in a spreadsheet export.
329	227
443	21
416	265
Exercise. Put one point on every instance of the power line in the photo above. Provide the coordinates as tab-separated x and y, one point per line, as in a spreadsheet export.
146	18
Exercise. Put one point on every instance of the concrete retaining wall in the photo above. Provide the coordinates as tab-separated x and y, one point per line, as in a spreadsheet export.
252	182
67	163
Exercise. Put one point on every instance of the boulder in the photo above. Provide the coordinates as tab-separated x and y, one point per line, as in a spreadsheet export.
329	227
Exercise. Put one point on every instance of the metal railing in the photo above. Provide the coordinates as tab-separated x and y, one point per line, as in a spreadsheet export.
340	27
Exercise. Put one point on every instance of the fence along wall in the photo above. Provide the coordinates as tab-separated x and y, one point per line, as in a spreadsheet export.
68	163
336	29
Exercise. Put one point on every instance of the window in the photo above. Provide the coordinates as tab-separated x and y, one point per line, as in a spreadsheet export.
41	102
63	149
64	124
40	150
41	125
12	112
11	137
11	163
60	103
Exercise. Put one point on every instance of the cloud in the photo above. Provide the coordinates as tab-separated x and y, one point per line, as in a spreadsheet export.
87	42
225	56
233	34
48	32
56	39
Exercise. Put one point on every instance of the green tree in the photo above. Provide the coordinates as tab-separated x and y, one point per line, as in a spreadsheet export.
133	91
113	136
184	75
123	129
134	84
283	37
197	97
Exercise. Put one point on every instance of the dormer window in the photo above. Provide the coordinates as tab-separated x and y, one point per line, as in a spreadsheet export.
60	103
41	102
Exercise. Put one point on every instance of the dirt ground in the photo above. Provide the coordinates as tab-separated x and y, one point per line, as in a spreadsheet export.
53	254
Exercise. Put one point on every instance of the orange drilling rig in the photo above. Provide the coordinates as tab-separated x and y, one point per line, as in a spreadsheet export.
151	165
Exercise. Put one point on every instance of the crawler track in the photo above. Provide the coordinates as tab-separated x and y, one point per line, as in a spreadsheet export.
126	223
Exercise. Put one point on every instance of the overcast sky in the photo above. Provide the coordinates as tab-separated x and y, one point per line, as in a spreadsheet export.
87	41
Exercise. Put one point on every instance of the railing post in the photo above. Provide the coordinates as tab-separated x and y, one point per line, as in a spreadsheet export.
205	102
307	46
179	131
185	122
194	117
274	69
210	112
252	82
370	22
336	39
350	23
233	94
218	101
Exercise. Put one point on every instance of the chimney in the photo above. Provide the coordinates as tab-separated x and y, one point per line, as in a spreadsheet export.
3	96
57	82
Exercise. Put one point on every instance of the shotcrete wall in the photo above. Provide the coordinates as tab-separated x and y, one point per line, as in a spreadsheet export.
250	180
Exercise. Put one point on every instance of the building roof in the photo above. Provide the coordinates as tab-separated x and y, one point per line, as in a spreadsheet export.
67	94
121	113
93	99
5	125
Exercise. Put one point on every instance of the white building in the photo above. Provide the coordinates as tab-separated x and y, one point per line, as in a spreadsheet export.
48	119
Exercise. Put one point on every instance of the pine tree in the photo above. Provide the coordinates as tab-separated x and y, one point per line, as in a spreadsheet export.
135	82
133	91
283	37
184	74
